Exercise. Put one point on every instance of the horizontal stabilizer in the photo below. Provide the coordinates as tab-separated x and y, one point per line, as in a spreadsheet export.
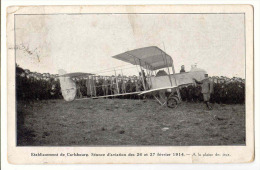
76	74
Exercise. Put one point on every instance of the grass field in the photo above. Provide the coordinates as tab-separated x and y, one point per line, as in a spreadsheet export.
127	122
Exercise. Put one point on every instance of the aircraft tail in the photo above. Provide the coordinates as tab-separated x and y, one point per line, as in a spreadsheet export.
68	86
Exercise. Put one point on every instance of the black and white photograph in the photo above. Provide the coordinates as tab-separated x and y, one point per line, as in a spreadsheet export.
130	79
130	84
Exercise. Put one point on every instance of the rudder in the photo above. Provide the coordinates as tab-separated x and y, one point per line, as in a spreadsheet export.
68	86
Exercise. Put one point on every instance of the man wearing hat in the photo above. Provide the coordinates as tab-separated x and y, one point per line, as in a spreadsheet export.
77	81
105	84
114	87
206	89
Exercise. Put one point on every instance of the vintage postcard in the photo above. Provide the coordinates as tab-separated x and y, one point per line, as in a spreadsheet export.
130	84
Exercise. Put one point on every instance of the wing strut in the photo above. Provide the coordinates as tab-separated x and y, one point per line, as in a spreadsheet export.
140	67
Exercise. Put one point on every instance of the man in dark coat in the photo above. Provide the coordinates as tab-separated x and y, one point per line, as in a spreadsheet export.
78	94
206	89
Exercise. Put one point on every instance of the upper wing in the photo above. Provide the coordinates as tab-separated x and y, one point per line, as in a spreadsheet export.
151	58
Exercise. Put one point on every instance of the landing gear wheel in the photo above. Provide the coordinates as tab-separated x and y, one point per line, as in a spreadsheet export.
172	102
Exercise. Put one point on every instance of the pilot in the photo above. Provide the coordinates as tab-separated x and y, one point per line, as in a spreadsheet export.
161	73
182	69
206	89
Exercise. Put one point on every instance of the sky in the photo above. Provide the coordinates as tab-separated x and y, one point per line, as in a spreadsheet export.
87	42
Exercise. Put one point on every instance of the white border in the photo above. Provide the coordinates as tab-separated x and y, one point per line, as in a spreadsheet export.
6	165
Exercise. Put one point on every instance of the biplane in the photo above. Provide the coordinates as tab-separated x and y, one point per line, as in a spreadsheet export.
157	76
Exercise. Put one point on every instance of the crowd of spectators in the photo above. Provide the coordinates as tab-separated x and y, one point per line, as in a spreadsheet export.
32	86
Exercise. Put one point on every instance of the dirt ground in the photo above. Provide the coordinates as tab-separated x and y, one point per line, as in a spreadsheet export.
127	122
